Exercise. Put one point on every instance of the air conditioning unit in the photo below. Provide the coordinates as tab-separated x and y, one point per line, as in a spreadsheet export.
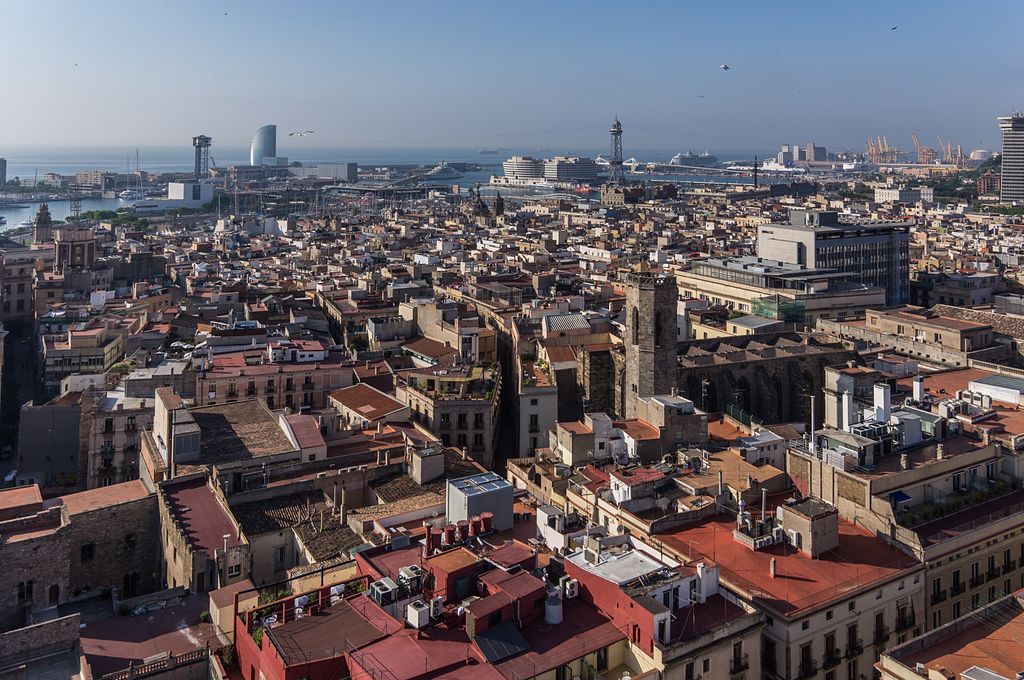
572	588
418	614
436	607
778	533
321	475
794	538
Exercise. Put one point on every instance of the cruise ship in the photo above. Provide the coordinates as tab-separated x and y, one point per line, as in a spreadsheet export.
703	159
442	171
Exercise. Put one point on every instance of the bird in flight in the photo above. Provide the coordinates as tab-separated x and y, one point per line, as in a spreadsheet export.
894	28
76	65
725	67
300	134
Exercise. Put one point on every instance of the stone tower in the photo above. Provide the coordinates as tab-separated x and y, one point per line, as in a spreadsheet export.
650	337
42	230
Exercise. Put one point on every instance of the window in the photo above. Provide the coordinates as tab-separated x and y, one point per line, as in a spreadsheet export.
87	552
688	674
956	610
533	402
534	424
478	440
828	615
707	665
805	625
636	326
279	555
234	570
25	592
936	618
851	670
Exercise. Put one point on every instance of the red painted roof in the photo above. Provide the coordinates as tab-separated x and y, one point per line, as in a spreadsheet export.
801	582
204	521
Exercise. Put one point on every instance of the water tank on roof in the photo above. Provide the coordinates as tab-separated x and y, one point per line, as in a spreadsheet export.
553	609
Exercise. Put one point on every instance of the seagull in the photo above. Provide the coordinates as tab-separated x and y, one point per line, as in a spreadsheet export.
76	65
894	28
300	134
724	67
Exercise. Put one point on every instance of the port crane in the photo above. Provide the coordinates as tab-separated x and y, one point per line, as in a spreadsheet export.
879	151
925	154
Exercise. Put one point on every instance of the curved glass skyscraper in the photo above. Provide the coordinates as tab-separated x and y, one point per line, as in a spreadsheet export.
264	145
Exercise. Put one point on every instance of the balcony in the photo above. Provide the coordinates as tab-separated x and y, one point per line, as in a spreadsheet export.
308	385
854	648
832	658
957	588
130	427
808	668
271	389
738	664
992	574
250	391
938	597
1009	566
976	581
881	635
232	394
904	621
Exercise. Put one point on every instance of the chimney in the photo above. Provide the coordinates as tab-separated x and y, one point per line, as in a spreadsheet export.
721	483
848	407
883	402
904	461
939	452
918	388
764	502
772	569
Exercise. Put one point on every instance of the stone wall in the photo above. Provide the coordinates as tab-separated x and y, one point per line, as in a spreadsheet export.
125	541
31	642
39	564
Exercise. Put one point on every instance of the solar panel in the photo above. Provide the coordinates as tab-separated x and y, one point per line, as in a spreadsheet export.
979	673
501	642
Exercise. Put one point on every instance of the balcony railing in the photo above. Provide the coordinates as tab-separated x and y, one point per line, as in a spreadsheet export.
904	621
832	658
976	581
738	664
308	385
881	635
1009	566
957	588
808	668
992	574
232	394
854	648
938	597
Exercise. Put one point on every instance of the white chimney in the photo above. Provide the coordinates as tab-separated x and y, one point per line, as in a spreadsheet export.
939	452
904	461
883	402
918	388
772	568
847	419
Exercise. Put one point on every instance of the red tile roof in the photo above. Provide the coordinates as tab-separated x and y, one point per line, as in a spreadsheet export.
104	497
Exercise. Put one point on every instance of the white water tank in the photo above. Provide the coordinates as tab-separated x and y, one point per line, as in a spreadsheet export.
553	609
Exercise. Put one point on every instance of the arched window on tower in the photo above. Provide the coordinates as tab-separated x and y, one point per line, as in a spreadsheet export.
657	329
636	326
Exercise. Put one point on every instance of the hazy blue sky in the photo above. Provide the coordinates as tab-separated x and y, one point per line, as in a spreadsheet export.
460	74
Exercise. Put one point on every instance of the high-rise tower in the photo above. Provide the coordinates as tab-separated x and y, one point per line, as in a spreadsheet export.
1012	189
650	337
264	145
615	163
202	145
